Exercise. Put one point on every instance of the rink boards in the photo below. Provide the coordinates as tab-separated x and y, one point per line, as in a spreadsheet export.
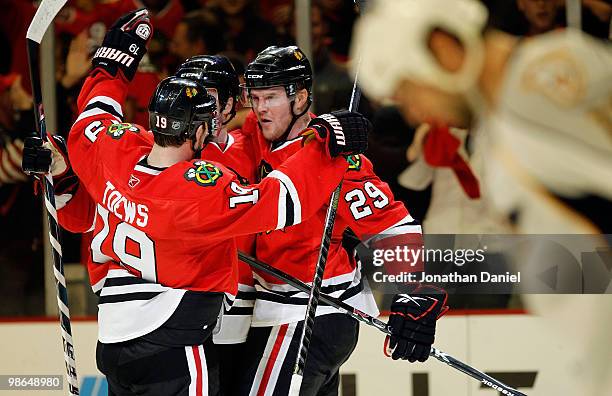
517	348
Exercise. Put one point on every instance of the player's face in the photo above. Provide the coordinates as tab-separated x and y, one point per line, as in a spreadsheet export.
539	13
273	110
420	103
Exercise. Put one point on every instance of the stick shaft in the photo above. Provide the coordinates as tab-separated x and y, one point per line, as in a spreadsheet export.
37	29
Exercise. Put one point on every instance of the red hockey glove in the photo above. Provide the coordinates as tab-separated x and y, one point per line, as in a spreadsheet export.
413	323
343	132
125	44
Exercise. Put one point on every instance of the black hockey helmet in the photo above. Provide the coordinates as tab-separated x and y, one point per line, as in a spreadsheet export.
279	66
213	71
179	106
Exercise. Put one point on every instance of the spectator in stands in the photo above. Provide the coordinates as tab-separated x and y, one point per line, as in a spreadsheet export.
540	16
339	16
244	30
197	33
21	270
334	85
14	21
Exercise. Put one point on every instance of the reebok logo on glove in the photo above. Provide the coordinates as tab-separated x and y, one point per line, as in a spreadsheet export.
114	54
337	127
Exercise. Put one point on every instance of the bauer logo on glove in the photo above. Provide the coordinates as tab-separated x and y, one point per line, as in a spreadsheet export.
343	132
337	127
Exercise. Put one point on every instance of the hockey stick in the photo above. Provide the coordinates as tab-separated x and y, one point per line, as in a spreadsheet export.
314	293
47	10
379	325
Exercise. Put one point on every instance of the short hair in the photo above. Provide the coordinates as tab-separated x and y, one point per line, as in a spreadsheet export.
202	26
168	141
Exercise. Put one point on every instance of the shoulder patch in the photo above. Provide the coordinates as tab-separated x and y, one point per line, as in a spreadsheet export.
354	162
116	131
203	173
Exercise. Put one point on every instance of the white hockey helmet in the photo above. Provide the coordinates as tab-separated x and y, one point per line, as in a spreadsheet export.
391	40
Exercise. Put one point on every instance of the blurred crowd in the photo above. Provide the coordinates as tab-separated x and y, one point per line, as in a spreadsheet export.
239	29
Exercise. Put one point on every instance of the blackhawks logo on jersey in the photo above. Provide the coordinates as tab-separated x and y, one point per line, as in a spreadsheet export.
263	170
203	173
354	162
117	130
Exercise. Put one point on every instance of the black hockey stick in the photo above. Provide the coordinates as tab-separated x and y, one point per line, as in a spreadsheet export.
313	297
378	324
47	10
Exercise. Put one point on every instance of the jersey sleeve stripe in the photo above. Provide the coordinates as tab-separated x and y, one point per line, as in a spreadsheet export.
106	103
293	199
282	206
102	106
93	112
408	225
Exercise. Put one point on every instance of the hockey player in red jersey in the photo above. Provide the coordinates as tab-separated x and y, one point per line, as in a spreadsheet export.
279	84
163	253
235	151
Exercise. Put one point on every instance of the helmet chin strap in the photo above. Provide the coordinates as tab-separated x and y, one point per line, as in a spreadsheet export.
197	151
232	113
294	118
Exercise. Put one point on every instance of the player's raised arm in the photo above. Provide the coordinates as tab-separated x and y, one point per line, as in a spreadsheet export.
297	189
103	92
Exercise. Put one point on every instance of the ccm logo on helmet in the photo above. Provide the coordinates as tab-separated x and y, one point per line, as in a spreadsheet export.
255	76
333	121
114	54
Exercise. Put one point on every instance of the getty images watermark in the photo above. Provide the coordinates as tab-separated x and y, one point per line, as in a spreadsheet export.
409	258
493	264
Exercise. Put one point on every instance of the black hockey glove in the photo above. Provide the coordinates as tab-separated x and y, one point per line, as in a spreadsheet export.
125	44
52	156
36	158
343	132
413	323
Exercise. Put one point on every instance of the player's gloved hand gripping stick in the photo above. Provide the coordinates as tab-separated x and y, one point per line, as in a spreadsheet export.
40	157
382	326
413	323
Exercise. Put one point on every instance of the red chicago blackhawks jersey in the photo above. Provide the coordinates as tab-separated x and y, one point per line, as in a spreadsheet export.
366	207
161	232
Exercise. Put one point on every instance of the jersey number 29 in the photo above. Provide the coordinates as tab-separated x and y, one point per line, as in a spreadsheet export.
358	200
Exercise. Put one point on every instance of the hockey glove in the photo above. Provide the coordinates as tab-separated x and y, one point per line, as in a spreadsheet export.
50	156
343	132
125	44
413	323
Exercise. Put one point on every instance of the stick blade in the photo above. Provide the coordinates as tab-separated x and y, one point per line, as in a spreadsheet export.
47	10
